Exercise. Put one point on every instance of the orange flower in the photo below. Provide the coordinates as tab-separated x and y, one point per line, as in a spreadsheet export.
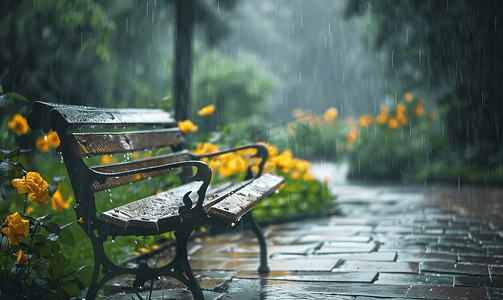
352	136
21	258
365	121
34	185
29	209
381	118
273	150
298	114
331	115
289	129
16	229
207	110
58	203
418	110
53	139
187	126
393	123
400	108
43	144
19	124
326	179
432	115
408	97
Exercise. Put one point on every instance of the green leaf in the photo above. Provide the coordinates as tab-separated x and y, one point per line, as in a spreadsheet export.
51	227
16	96
41	285
53	187
66	236
14	152
71	288
3	194
85	274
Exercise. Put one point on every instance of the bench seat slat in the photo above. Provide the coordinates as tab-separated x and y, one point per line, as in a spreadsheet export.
237	204
86	144
158	211
135	165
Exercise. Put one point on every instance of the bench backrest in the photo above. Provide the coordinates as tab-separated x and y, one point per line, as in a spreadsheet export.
89	131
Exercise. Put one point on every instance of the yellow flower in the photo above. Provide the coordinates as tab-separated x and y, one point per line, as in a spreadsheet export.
308	176
53	139
432	115
331	115
271	149
206	148
187	126
21	258
283	161
143	250
289	129
206	111
17	229
155	247
34	185
393	123
43	144
58	203
295	175
326	179
29	209
365	121
81	220
408	97
19	124
300	164
418	110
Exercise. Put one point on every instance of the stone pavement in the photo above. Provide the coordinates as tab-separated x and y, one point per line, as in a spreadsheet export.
390	241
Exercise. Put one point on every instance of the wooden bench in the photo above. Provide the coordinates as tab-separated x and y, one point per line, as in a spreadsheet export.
89	131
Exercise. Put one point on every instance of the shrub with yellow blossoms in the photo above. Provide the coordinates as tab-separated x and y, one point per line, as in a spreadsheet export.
187	126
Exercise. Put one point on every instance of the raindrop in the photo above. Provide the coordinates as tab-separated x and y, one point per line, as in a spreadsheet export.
113	241
61	159
136	242
233	224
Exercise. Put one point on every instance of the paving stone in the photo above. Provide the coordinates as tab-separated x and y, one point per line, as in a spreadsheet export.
457	268
418	257
362	277
493	260
329	237
433	248
372	256
339	247
419	279
305	264
369	266
457	232
293	249
481	281
402	248
446	292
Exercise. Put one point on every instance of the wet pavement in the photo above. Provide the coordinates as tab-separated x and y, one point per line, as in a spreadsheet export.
388	241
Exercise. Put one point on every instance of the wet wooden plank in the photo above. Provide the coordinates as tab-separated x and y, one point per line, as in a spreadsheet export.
232	207
135	165
86	144
161	210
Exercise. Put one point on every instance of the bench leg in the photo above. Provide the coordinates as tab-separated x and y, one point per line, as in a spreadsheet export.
250	223
181	255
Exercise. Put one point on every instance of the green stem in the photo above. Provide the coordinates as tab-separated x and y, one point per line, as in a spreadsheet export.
24	208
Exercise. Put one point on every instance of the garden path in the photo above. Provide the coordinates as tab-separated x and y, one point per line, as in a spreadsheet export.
389	241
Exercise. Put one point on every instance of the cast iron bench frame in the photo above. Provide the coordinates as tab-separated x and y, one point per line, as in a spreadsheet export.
224	206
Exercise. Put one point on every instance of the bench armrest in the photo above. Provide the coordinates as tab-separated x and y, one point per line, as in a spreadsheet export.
262	153
203	174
